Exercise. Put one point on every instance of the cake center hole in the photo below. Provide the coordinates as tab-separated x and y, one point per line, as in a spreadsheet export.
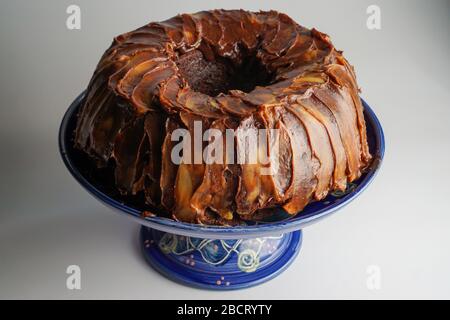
219	75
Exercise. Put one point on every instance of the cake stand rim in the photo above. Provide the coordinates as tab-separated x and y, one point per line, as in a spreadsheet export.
207	231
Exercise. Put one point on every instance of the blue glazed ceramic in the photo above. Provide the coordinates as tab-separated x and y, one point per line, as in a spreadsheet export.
220	264
219	257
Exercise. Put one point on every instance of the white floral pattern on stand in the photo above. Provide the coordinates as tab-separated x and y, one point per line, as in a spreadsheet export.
216	252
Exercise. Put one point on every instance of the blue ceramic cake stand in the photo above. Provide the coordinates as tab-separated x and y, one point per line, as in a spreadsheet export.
217	257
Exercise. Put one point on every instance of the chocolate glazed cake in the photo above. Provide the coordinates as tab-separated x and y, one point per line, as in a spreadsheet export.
228	69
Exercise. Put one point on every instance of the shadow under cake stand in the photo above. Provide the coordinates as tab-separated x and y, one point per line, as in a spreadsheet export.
219	257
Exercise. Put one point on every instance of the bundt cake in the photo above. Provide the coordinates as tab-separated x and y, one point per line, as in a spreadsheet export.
227	70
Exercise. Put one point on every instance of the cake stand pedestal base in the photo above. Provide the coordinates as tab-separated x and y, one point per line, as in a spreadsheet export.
219	264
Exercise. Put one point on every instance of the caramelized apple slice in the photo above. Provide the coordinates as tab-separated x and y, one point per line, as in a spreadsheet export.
283	39
320	147
168	167
345	116
219	184
199	103
109	119
134	76
234	105
125	152
305	166
343	75
280	153
189	175
133	62
145	93
256	187
316	108
174	30
209	26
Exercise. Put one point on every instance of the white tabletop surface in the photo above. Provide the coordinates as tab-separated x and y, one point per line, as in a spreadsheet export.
400	226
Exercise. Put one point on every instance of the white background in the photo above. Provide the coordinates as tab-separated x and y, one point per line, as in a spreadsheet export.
401	223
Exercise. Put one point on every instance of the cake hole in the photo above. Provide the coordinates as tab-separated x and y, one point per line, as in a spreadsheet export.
219	75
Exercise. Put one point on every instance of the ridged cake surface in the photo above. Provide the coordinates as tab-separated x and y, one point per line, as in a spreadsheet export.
227	69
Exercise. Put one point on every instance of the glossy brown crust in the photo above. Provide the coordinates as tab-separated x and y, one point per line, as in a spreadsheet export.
139	95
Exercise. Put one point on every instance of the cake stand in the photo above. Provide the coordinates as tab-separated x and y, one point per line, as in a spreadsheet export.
219	257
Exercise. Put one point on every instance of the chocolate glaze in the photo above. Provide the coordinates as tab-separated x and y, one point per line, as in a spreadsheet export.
230	69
